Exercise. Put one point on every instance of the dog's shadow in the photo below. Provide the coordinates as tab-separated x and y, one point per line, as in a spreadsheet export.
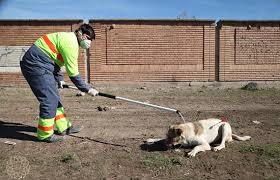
16	131
161	146
156	146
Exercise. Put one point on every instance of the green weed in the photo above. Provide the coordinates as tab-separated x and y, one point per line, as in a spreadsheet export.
67	158
158	161
269	152
71	160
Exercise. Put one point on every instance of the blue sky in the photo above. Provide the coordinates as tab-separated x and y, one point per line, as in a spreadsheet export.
140	9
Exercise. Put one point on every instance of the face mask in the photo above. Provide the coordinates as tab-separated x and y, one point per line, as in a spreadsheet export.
85	44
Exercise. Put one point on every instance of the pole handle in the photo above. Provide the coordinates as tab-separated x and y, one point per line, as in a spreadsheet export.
106	95
66	86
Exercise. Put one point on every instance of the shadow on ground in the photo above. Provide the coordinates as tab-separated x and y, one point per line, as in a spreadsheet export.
157	146
16	131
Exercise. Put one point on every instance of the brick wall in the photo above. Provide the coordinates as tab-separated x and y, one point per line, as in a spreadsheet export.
249	50
17	33
153	50
156	50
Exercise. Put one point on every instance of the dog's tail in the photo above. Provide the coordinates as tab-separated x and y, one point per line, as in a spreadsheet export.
241	138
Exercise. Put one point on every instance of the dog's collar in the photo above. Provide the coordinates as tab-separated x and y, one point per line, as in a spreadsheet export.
224	119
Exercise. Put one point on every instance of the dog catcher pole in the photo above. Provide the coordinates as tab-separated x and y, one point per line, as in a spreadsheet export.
133	101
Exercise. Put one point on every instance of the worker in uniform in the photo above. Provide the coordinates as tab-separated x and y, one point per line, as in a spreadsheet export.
41	68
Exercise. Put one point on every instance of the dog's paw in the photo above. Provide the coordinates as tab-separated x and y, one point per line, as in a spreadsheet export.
218	148
248	138
192	154
215	149
151	141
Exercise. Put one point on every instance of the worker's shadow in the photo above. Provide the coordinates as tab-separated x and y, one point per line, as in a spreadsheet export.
16	131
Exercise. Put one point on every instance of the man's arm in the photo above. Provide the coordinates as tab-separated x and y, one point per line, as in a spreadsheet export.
82	86
80	83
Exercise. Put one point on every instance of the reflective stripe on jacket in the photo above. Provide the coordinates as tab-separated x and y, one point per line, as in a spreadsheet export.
63	49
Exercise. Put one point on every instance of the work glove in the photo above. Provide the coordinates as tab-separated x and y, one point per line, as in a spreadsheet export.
93	92
60	84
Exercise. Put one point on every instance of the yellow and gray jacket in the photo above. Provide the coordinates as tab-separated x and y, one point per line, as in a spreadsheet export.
63	49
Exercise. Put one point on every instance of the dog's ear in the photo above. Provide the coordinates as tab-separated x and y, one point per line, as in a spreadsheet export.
178	131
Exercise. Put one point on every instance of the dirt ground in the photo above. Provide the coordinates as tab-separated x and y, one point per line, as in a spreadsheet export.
111	143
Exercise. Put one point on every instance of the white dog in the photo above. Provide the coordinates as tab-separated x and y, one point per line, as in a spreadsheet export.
200	134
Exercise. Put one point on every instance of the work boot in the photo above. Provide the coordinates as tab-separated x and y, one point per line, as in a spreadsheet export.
53	138
72	130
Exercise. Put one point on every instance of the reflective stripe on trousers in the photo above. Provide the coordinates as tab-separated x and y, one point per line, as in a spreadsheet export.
46	126
61	121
